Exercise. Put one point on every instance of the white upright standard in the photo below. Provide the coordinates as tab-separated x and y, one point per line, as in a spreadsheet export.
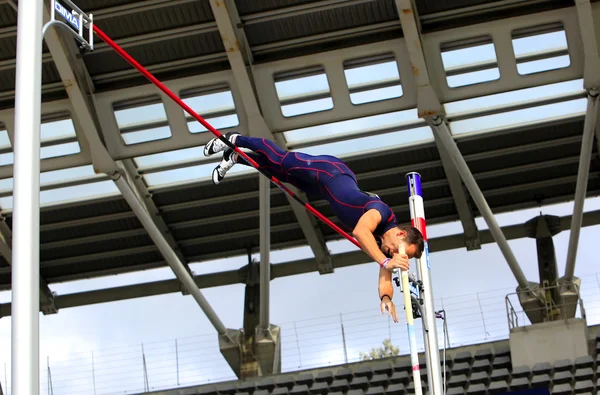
432	350
26	197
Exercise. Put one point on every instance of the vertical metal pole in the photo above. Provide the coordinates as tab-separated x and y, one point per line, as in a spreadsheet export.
93	373
587	144
177	360
298	345
482	316
265	247
344	339
26	213
432	350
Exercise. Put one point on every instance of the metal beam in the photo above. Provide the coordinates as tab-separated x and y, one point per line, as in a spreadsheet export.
467	219
347	259
236	45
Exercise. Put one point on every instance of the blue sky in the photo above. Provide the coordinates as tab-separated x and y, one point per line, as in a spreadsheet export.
101	345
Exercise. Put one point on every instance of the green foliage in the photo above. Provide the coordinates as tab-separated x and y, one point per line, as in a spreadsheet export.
387	350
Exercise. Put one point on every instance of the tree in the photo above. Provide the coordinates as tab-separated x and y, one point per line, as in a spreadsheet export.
388	350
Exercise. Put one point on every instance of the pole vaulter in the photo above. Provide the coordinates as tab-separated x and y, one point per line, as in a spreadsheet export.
391	252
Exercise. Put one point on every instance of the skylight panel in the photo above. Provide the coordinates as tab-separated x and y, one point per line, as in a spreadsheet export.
522	117
382	142
353	127
469	62
541	48
215	104
303	91
58	137
6	154
373	79
142	120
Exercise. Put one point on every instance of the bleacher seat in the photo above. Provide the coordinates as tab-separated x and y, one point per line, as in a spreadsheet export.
542	368
396	389
280	391
355	392
500	375
326	376
375	391
461	368
501	362
463	357
481	365
383	367
562	389
300	389
400	377
266	384
562	377
484	353
584	386
228	388
359	383
380	380
582	374
344	373
584	362
261	392
455	391
563	365
459	380
520	372
541	381
476	389
498	387
364	371
479	378
319	388
305	378
340	385
519	383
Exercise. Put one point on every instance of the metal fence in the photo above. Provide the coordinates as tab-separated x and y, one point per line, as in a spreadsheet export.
317	342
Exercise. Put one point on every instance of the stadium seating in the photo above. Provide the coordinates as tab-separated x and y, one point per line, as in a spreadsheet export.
475	370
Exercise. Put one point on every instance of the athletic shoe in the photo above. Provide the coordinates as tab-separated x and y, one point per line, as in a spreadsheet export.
216	145
223	167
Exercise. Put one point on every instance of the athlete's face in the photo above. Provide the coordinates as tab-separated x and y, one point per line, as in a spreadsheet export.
390	245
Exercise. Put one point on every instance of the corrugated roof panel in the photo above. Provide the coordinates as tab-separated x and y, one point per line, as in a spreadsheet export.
246	7
156	20
154	53
50	73
95	247
93	5
98	266
85	209
320	22
431	6
204	190
98	227
8	48
8	16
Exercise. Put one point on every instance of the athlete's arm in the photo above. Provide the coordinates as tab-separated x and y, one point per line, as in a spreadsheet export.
386	292
363	232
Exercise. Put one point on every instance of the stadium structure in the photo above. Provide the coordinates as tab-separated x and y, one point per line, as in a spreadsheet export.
309	75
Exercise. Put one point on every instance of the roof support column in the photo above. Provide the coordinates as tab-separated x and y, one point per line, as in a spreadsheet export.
591	82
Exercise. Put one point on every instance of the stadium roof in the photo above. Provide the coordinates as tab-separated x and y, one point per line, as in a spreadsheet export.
521	164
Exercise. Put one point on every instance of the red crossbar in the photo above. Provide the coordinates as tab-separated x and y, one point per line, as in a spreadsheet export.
214	131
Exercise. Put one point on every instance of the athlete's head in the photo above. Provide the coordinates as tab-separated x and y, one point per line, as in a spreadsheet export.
409	236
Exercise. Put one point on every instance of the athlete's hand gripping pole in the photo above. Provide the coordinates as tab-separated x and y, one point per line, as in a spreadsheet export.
410	324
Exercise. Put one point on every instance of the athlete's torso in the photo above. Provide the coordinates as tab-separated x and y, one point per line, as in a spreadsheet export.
330	178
